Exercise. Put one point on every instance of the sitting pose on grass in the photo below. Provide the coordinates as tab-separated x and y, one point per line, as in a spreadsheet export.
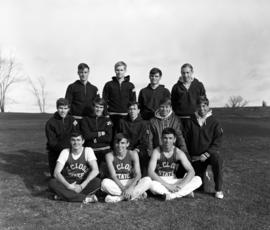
162	168
75	173
204	137
58	130
125	181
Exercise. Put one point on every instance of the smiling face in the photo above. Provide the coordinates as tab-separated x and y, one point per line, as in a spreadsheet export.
63	110
76	143
168	141
98	109
203	109
120	71
121	146
83	74
154	78
165	109
186	73
133	111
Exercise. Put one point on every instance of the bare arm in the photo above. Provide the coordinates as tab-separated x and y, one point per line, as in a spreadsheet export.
57	174
94	172
137	170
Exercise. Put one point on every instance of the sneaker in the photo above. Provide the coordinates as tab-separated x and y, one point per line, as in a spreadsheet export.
113	199
167	196
140	197
56	197
90	199
219	195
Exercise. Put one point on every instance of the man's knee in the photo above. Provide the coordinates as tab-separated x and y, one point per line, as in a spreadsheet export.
216	159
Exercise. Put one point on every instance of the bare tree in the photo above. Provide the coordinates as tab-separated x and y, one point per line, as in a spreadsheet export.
9	75
39	91
236	101
264	104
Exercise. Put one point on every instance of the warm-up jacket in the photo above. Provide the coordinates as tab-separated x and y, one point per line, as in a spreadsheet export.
149	100
205	138
184	100
90	127
158	123
81	98
58	131
137	131
118	96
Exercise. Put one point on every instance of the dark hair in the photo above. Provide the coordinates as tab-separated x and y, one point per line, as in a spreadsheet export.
169	131
120	63
76	134
165	100
131	103
202	100
119	136
62	102
187	65
82	66
154	71
101	101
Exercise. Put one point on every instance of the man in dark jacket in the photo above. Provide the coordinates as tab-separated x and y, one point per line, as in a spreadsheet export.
58	130
204	136
150	96
81	94
137	130
186	92
118	93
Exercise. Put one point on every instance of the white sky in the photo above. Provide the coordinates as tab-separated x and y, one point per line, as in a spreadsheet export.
227	42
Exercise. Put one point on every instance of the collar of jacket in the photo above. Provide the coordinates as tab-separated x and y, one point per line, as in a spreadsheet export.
79	82
139	118
159	86
181	80
58	117
157	115
202	120
126	78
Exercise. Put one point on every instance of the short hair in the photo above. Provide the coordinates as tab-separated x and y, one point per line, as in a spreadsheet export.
120	63
62	102
169	131
154	71
165	101
187	65
119	136
202	100
82	66
99	101
131	103
76	134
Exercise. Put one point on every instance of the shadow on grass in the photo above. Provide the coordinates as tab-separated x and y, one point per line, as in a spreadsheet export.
30	166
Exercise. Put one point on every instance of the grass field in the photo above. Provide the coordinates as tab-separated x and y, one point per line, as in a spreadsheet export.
26	204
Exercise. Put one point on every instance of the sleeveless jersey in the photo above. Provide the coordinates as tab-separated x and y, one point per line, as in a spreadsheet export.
124	167
76	170
166	166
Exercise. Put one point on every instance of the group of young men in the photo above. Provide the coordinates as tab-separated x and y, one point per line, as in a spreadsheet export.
163	142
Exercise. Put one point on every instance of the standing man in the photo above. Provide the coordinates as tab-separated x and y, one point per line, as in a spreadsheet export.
75	173
118	93
186	92
204	138
58	130
81	94
150	96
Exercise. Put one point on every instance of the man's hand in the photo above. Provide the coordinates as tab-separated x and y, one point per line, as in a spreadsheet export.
78	188
72	186
101	133
127	192
172	187
204	156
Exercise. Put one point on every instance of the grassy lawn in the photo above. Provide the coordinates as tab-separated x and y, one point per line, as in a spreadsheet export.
26	204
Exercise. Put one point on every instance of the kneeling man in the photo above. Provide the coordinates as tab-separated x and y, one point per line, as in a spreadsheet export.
125	181
75	173
163	165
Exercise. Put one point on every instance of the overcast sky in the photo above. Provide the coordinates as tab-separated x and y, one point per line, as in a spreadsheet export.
227	42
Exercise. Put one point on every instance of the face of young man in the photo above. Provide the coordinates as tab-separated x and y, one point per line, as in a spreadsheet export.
121	146
120	71
83	74
164	110
154	78
63	110
186	73
203	109
168	141
76	143
133	112
98	110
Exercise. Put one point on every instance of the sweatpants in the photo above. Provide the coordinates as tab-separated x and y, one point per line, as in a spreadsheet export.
70	195
158	188
216	162
52	159
110	187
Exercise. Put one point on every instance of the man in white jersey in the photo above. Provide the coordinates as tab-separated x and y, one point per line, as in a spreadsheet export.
125	181
75	173
163	165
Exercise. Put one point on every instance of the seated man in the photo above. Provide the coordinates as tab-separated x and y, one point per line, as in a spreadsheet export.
58	130
137	130
125	181
165	118
204	137
162	168
75	173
